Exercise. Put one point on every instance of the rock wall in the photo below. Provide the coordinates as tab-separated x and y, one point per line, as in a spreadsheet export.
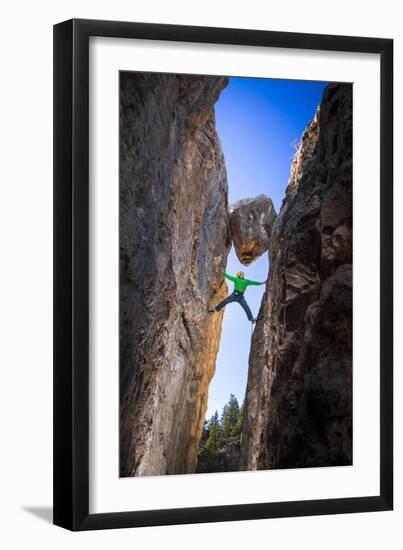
298	406
228	458
174	241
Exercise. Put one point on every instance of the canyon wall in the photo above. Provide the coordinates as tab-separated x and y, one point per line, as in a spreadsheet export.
298	405
174	241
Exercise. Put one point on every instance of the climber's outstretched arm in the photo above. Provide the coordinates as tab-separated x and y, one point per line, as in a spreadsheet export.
256	283
230	277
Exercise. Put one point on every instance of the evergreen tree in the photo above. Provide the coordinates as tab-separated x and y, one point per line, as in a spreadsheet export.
214	440
229	420
238	424
205	433
218	433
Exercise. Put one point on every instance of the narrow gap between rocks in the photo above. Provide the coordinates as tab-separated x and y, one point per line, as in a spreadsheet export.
260	132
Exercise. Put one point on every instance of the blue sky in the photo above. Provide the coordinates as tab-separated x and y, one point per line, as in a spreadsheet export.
257	121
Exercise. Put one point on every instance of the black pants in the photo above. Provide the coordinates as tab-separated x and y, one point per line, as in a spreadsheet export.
236	297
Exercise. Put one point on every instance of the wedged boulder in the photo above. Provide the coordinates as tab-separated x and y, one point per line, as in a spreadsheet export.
251	222
174	241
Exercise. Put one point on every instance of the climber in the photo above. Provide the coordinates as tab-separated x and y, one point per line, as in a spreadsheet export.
240	284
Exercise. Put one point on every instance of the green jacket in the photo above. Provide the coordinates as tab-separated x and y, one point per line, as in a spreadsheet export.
241	284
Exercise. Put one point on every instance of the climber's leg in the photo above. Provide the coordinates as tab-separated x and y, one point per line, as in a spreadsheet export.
245	306
227	300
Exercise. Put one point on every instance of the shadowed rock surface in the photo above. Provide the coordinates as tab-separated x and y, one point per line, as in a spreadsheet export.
174	241
251	224
228	458
298	406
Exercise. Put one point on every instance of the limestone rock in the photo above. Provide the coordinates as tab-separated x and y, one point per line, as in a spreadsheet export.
298	406
251	224
174	241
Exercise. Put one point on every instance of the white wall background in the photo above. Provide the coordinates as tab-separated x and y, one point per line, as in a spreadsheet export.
26	280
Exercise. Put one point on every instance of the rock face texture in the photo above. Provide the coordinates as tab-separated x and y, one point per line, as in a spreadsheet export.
228	458
174	241
251	225
298	406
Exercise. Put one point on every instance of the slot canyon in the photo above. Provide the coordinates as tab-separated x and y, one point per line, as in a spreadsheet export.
176	230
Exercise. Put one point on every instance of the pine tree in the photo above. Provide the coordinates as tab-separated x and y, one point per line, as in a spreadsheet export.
238	424
209	445
229	420
214	440
205	433
218	432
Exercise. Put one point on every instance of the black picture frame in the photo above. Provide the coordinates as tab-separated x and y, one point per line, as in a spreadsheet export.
71	274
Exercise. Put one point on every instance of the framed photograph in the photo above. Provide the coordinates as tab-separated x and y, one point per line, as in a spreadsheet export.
223	318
